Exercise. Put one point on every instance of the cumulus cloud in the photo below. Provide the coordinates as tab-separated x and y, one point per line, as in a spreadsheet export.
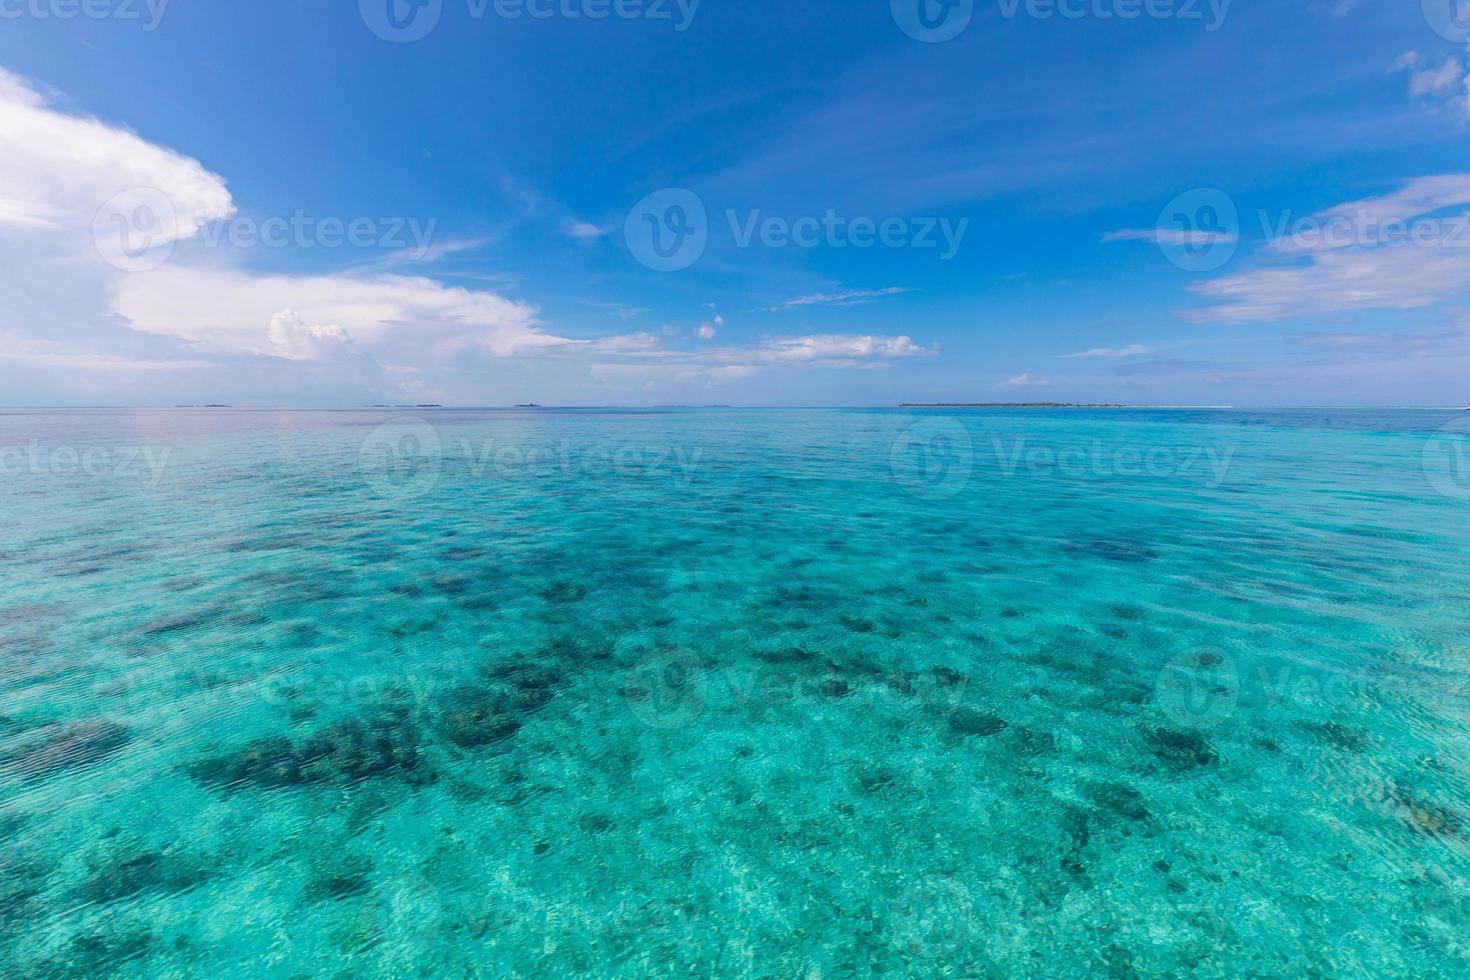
294	338
231	311
707	329
1444	86
200	324
58	170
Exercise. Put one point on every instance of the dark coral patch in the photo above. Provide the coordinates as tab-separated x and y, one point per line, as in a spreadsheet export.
385	746
968	721
1129	552
1181	749
138	872
69	746
478	717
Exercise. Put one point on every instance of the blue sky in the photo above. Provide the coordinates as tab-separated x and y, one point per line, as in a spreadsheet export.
1019	175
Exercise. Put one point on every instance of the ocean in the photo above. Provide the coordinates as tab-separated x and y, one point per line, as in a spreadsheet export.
735	693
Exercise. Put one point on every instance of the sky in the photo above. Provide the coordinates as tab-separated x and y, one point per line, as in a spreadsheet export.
645	202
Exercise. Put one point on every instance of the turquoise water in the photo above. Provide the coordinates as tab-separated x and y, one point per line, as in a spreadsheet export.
734	693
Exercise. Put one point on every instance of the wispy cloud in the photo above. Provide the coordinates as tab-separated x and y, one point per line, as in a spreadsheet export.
1024	381
1132	350
584	231
1171	237
850	297
1401	252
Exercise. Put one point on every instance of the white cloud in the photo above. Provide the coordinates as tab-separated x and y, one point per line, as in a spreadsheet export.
227	332
229	311
1025	381
706	330
1132	350
833	349
1169	236
1445	86
58	170
583	231
292	337
1368	268
850	297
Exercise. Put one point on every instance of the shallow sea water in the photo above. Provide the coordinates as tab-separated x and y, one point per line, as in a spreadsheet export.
734	693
